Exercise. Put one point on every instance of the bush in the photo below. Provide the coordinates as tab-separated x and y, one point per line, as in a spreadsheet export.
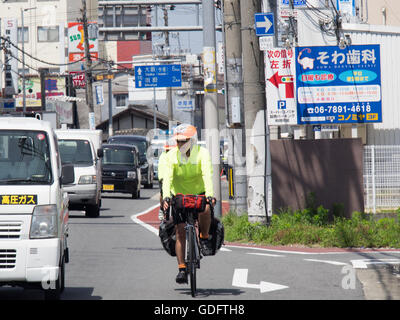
311	227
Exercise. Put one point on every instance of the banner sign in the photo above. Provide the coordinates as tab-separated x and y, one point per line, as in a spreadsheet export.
335	85
279	87
76	43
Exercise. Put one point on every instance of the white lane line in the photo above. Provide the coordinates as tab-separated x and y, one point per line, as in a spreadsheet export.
225	249
135	218
363	263
269	250
336	263
308	253
265	254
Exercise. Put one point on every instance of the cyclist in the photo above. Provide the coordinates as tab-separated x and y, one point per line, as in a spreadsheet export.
189	172
162	163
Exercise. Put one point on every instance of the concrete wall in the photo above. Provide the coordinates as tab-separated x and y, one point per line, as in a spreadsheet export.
332	169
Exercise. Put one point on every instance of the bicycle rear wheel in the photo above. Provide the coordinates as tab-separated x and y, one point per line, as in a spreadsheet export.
192	261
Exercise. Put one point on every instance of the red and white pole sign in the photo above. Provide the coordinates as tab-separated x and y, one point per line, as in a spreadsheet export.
279	87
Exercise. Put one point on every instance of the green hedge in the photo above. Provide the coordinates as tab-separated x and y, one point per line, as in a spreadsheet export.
312	227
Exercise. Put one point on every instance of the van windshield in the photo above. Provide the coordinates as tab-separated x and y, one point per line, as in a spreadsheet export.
141	145
118	156
24	157
75	151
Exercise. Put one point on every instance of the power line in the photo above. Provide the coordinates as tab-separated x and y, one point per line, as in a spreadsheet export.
42	61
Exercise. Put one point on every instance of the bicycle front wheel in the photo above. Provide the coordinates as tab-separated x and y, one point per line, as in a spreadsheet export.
192	262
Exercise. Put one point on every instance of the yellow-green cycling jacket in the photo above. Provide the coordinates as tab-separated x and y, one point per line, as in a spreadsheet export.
188	177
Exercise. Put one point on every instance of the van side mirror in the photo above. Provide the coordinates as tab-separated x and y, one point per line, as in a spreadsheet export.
100	153
67	174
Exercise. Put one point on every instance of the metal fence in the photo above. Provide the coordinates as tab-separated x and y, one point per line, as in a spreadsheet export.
381	178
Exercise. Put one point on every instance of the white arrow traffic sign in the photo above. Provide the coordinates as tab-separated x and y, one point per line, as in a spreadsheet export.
264	24
240	280
139	71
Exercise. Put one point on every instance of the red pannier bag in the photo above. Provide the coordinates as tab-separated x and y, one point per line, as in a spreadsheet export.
190	201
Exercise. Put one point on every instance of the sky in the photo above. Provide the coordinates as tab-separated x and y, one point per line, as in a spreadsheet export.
184	15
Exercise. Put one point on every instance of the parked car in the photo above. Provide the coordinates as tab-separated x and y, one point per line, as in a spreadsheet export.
146	168
121	170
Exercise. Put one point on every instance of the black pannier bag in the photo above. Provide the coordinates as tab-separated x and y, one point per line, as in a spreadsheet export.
166	233
217	234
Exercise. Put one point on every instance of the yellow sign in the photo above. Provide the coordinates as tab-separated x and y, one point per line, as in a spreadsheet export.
18	199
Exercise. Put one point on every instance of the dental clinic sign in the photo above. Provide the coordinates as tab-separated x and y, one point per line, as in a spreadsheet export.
335	85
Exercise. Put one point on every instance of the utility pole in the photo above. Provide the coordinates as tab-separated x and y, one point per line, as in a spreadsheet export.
254	111
210	97
110	111
234	101
88	71
23	63
167	48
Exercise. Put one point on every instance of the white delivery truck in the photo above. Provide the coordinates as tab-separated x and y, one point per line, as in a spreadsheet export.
82	148
33	206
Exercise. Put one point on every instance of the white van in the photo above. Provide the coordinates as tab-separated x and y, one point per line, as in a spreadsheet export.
82	148
33	206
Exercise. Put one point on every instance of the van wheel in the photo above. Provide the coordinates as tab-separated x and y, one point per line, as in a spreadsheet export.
92	211
55	293
135	194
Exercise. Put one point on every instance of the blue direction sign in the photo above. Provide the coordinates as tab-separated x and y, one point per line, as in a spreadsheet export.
169	75
264	23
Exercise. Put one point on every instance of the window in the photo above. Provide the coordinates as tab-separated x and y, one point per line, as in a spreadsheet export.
121	99
48	34
26	34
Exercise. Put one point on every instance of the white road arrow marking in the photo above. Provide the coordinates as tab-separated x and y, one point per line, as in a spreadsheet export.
240	280
264	24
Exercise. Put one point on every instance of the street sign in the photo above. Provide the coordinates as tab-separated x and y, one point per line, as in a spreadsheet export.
266	43
279	86
335	85
296	3
264	23
169	75
7	105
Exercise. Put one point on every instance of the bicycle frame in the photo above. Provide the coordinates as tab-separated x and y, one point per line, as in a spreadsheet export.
192	252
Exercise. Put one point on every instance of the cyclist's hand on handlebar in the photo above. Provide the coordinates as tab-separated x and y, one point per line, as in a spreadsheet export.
166	202
212	201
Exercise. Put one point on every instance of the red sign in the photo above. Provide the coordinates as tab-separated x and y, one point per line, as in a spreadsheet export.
78	79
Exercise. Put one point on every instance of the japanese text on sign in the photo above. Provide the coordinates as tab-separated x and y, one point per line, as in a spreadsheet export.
336	85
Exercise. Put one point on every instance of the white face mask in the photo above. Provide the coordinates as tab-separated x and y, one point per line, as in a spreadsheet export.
185	147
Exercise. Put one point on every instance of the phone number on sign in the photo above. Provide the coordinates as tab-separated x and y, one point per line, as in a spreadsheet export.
339	109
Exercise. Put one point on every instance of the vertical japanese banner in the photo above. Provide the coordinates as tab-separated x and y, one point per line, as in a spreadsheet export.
10	56
335	85
210	74
76	43
279	87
